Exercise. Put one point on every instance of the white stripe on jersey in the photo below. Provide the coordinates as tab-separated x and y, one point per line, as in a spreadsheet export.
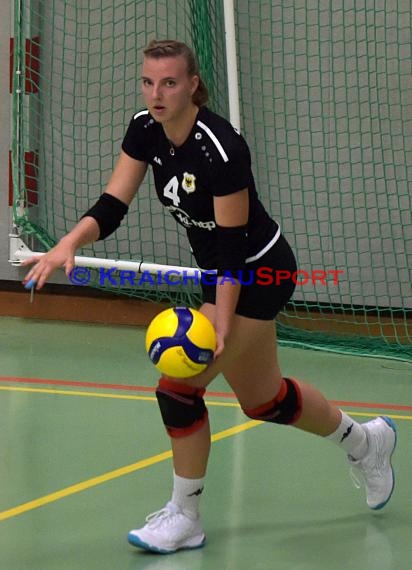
265	249
140	113
259	254
215	140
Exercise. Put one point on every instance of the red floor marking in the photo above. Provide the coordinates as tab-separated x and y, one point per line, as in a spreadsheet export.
77	383
126	387
397	407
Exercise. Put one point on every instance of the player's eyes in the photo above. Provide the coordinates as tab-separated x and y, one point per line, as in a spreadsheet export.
146	82
170	83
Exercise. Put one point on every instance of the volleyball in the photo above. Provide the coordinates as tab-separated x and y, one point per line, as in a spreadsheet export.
180	342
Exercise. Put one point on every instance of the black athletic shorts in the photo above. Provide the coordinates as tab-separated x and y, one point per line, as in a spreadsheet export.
267	283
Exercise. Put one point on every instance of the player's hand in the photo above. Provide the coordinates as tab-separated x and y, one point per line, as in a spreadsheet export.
61	255
220	345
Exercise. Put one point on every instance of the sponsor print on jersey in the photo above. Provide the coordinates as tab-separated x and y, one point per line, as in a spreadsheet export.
188	182
183	218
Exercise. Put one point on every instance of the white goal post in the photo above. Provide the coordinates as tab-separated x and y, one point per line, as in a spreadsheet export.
19	251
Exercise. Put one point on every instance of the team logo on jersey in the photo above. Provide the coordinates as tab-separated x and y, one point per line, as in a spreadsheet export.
188	182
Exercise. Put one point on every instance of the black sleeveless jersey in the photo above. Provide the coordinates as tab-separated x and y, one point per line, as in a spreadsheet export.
213	161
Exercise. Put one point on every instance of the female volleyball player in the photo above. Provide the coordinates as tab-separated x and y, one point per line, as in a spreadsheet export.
203	176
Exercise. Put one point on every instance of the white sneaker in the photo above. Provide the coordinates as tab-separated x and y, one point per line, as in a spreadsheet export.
167	531
375	468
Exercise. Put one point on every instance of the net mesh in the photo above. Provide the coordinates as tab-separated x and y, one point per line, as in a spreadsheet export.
326	106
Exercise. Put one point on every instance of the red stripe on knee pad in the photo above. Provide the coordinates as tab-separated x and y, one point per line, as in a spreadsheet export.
180	388
263	409
184	432
275	409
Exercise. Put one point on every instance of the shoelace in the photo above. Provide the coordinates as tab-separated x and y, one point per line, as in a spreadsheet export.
159	517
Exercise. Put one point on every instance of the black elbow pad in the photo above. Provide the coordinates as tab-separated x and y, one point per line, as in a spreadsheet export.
232	243
108	213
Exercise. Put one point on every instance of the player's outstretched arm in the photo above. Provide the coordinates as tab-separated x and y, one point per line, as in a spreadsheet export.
97	223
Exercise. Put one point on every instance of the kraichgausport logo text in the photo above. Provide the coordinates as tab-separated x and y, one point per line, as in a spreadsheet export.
263	276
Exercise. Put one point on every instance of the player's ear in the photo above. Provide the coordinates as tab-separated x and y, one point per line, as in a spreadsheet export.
194	83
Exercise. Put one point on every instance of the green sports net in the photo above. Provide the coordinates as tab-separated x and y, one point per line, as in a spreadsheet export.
326	106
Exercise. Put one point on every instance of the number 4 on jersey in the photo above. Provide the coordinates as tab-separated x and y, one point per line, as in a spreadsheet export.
171	189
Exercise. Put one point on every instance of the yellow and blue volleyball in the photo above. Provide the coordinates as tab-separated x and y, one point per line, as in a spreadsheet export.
180	342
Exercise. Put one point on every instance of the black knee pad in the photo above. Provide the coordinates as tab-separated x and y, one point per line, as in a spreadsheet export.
285	409
182	407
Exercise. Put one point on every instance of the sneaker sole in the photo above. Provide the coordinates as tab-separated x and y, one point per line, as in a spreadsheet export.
392	425
135	541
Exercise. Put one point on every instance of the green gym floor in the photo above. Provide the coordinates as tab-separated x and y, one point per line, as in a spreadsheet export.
84	458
